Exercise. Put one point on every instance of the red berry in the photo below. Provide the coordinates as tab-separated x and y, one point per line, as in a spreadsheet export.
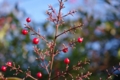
39	74
3	68
28	20
65	50
35	41
9	63
24	32
66	61
80	40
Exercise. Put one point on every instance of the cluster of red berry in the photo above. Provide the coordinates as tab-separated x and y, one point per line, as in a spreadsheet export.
25	32
65	50
4	68
36	41
9	64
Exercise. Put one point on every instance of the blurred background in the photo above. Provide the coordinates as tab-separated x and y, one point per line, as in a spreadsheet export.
101	33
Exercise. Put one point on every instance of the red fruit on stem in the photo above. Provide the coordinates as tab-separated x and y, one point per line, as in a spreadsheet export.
3	68
24	32
65	50
28	20
39	74
35	41
9	63
66	61
80	40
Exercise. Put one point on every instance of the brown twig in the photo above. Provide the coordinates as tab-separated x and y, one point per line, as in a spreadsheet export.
52	52
18	70
80	64
54	40
69	13
73	28
59	17
112	72
41	58
27	26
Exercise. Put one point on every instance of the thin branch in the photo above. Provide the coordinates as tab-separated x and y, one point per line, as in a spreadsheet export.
18	70
69	30
36	33
112	72
31	76
41	58
59	13
69	13
52	52
68	70
45	67
83	76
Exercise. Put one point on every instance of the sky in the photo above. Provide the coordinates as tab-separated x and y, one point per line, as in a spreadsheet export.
36	8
